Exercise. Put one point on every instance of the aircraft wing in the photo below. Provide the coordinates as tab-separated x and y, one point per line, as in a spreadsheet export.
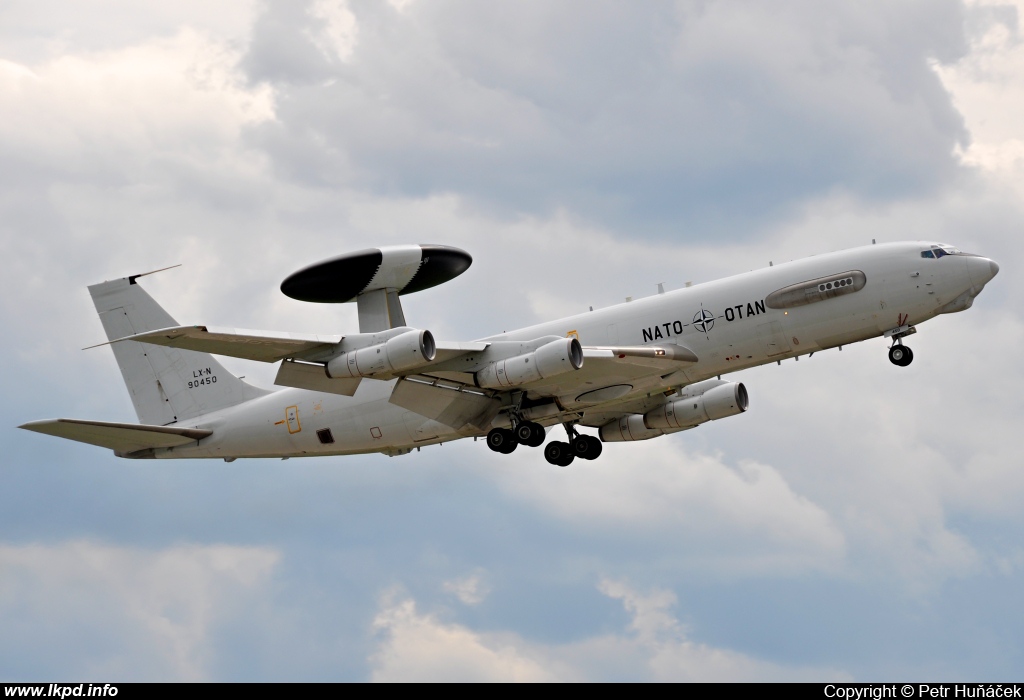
608	373
262	346
120	437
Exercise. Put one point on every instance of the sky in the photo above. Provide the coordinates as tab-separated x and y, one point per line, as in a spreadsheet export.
860	522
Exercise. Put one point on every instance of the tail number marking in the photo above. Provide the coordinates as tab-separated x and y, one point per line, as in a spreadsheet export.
201	377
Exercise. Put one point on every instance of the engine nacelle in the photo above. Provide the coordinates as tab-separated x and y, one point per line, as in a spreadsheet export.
403	352
557	357
728	399
627	429
631	429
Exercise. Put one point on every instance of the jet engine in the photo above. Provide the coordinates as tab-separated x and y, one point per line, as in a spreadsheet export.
721	400
556	357
628	429
727	399
402	352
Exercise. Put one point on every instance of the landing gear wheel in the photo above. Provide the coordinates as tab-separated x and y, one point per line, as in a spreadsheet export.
559	453
530	434
586	447
502	440
910	356
901	355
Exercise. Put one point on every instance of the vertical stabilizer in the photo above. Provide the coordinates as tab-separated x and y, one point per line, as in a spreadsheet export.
167	385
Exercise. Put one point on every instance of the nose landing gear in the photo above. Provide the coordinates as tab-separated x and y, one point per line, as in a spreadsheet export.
900	355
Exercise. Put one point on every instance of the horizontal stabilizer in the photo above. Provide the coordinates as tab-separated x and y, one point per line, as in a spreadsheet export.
120	437
262	346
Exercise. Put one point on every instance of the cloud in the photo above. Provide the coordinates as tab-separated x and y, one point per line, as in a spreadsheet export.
670	116
418	647
340	32
89	610
470	590
115	115
745	518
582	153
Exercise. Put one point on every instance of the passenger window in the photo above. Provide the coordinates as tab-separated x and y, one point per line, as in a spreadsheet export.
927	254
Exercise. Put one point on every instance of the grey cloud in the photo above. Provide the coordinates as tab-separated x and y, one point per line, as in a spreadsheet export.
670	116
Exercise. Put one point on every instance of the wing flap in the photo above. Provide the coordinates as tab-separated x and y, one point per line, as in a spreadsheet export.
303	375
449	406
262	346
120	437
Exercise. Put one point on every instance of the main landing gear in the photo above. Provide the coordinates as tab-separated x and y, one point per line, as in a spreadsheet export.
532	434
561	454
506	441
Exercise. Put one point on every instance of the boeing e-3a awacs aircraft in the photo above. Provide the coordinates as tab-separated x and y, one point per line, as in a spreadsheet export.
634	371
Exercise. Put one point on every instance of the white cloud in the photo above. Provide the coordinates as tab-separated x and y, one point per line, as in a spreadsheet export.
340	28
470	590
112	114
420	647
158	606
987	87
726	519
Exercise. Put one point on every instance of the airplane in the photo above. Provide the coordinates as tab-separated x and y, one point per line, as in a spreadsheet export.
634	371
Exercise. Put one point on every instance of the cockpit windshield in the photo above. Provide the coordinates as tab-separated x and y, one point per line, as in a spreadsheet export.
940	251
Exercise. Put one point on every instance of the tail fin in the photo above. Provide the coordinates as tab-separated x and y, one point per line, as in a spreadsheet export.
167	385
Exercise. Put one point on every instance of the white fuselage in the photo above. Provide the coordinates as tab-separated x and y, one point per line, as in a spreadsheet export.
726	323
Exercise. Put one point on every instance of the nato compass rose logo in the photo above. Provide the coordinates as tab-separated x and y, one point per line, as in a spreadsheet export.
704	321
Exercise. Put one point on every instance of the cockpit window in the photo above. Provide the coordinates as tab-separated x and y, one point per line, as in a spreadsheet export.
940	251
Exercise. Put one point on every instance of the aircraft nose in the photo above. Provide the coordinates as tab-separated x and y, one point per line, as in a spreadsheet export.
982	270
